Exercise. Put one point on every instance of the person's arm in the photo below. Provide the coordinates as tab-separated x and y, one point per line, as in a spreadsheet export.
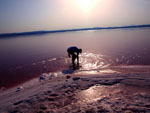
69	55
78	57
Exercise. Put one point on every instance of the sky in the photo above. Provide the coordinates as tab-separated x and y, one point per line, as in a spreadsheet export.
33	15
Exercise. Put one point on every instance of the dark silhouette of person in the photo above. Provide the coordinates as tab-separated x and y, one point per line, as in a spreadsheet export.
74	52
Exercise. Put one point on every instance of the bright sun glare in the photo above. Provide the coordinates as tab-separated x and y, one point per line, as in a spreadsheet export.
86	5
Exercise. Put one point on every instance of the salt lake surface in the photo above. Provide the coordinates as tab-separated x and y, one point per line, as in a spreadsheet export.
23	58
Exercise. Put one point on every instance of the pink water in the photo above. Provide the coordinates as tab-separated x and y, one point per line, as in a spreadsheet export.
23	58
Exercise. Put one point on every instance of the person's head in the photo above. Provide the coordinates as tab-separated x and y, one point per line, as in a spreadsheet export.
80	50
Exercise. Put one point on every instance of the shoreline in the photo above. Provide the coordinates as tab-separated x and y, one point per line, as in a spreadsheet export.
29	72
18	84
122	68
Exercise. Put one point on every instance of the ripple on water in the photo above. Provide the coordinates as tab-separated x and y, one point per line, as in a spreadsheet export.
91	61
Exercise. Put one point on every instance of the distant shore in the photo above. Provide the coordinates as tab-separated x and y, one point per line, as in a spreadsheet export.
3	35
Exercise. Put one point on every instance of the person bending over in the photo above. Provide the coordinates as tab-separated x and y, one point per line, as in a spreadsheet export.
74	52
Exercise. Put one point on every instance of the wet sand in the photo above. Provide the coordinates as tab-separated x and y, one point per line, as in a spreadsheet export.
118	89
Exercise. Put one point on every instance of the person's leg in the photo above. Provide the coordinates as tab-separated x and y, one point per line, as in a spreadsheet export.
73	58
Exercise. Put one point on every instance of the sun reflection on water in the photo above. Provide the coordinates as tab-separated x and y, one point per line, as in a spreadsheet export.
91	61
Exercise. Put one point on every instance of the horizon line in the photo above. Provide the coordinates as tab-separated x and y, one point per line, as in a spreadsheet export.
15	34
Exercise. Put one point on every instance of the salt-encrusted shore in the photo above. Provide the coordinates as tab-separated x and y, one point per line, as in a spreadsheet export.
122	89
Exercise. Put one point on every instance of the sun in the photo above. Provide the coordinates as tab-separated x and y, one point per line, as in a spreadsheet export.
86	5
